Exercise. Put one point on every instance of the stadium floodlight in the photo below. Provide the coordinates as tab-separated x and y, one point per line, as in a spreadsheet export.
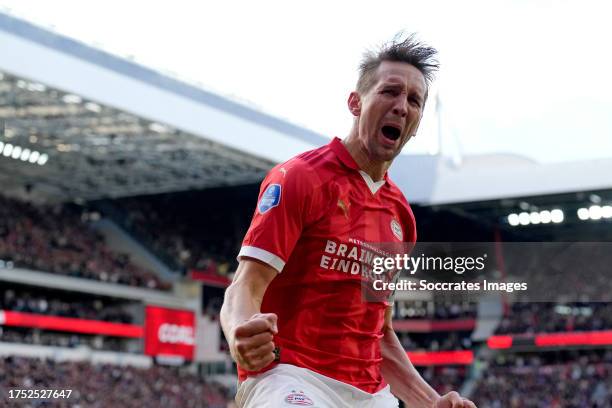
36	87
8	149
557	216
545	217
524	218
43	159
94	107
513	219
34	157
595	212
595	199
25	154
583	214
606	211
534	217
16	152
21	153
70	98
158	127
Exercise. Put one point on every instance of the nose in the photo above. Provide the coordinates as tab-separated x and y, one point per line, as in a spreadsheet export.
401	107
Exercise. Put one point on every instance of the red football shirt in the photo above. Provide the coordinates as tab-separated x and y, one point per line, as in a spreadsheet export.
315	216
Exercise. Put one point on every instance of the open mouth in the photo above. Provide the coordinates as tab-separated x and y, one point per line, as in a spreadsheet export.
391	132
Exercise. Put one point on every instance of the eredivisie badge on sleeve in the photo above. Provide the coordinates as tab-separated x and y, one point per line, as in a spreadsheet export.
270	198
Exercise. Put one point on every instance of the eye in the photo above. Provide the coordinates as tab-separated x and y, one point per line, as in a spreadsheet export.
416	102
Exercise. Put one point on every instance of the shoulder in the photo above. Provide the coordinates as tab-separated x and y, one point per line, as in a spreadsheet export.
312	168
397	194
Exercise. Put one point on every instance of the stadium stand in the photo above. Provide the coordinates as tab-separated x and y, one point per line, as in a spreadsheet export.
190	240
30	299
572	379
59	339
416	309
56	239
556	317
107	385
436	341
444	378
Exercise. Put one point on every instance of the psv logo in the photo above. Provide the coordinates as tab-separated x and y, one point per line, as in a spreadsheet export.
396	228
299	399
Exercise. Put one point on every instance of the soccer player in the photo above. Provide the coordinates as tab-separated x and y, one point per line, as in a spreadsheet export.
294	316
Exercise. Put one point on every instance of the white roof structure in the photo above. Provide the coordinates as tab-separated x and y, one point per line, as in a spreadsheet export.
438	180
112	128
109	127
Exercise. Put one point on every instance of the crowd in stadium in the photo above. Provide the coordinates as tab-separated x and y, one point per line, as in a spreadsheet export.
184	228
536	381
56	239
65	244
439	310
436	341
68	340
59	304
528	318
444	379
107	385
183	243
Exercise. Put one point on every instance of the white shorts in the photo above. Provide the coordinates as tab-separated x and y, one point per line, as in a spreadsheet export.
287	386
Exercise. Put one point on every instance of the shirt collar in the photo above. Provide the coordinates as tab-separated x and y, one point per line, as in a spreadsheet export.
345	157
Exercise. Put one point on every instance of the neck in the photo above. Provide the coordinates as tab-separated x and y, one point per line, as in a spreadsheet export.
376	169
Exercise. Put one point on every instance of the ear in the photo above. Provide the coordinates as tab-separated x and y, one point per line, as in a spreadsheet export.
354	103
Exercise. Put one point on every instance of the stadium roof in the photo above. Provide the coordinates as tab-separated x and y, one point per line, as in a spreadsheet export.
108	127
442	180
111	128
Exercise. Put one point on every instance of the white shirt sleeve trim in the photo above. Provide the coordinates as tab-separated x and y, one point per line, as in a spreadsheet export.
262	255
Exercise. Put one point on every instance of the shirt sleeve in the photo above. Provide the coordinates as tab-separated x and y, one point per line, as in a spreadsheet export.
280	216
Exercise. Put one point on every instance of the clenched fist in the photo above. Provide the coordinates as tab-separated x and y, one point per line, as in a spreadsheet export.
251	344
454	400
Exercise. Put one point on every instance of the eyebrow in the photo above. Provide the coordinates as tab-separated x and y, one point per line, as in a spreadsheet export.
396	85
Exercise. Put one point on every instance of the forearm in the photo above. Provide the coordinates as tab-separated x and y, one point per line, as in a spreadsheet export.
244	296
405	381
239	304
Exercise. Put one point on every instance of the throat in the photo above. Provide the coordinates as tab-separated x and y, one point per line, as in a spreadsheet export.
375	169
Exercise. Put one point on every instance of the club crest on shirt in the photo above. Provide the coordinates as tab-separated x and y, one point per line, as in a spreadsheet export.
396	228
298	398
270	198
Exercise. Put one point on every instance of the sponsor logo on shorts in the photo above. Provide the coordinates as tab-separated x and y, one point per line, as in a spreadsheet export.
270	198
298	398
396	228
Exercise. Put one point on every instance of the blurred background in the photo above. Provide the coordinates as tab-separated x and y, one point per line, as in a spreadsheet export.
133	138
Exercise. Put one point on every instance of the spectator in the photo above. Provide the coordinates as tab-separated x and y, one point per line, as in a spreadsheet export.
55	239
